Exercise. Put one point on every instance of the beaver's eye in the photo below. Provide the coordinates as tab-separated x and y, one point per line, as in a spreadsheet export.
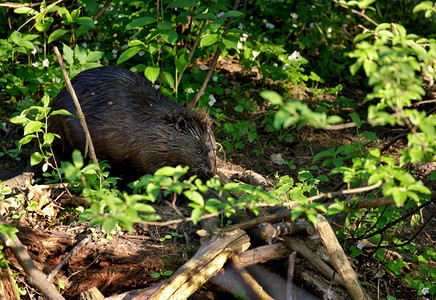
199	150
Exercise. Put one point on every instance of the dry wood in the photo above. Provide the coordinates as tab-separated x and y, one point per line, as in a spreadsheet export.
67	257
255	179
91	294
339	259
269	231
36	277
206	263
263	254
296	245
290	281
248	280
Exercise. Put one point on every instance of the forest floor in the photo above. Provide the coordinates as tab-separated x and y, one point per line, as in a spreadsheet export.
125	261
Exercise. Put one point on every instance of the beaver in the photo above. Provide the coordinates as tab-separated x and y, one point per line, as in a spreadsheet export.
133	126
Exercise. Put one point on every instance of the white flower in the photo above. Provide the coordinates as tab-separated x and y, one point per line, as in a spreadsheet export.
269	25
45	167
275	65
120	16
252	24
114	51
311	25
110	8
156	86
294	16
4	124
95	22
241	26
220	14
244	37
240	46
39	50
57	80
202	67
45	63
360	245
125	46
141	53
96	48
190	90
425	291
212	100
40	81
313	6
348	16
114	55
294	25
265	39
215	78
285	66
329	30
294	56
255	53
84	45
34	51
35	64
136	33
264	21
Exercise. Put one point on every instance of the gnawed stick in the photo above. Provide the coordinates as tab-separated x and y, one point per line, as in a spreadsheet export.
339	259
295	245
249	280
206	263
36	277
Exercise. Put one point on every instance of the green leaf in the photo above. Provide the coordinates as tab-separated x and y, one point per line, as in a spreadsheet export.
195	197
232	13
26	10
62	112
36	158
400	196
231	42
169	36
48	138
272	97
208	40
196	215
168	79
33	126
140	22
94	56
425	5
370	136
109	224
129	53
86	21
152	73
77	159
182	3
19	120
26	139
335	208
205	16
68	54
80	54
56	35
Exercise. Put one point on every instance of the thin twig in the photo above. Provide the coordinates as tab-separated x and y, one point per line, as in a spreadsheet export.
101	11
68	256
80	114
191	104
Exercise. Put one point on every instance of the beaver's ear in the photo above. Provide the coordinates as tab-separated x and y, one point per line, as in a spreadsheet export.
181	124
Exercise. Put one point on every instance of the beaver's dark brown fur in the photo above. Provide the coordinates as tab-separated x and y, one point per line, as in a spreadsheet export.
135	128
